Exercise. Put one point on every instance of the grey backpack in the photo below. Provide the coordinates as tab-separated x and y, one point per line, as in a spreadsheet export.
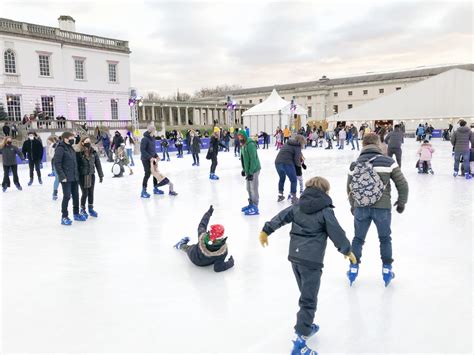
366	185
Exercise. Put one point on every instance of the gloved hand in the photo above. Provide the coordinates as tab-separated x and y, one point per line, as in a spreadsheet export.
101	179
250	177
303	165
400	207
351	258
229	263
211	209
263	239
64	180
242	173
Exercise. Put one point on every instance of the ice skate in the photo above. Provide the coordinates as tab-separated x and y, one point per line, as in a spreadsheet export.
455	174
83	212
468	176
79	217
353	273
430	171
145	194
30	182
182	242
281	197
4	188
300	347
66	221
55	195
173	193
92	212
40	181
387	273
294	199
52	174
194	164
243	209
252	211
314	330
213	177
157	191
18	186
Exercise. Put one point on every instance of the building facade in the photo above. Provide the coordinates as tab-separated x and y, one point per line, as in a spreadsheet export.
61	72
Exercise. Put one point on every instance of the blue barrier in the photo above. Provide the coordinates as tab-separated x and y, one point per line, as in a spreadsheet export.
204	141
437	133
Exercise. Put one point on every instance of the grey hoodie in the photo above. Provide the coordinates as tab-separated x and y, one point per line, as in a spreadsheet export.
461	138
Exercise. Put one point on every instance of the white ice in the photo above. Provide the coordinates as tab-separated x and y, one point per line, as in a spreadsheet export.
115	284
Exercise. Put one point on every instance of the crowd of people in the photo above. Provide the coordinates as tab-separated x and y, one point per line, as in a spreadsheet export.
76	165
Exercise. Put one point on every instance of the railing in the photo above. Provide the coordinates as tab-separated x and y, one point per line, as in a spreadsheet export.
54	33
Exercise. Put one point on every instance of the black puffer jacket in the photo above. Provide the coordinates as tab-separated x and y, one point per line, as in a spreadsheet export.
313	221
290	153
65	162
148	147
214	145
202	255
33	149
87	165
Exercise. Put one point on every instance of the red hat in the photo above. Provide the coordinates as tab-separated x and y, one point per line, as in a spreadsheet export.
216	233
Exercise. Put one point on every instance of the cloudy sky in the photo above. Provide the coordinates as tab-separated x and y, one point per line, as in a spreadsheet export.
194	44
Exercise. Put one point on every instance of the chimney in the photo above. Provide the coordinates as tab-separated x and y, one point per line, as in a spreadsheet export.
67	23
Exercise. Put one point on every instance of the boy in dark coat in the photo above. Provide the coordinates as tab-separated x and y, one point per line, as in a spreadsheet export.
9	153
33	150
313	221
211	248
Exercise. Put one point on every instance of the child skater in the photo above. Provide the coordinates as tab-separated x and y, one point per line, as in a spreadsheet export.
299	176
211	248
162	180
426	153
313	221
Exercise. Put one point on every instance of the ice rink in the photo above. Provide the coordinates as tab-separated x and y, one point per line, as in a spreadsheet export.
115	284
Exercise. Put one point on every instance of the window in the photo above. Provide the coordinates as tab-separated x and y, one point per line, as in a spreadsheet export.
336	94
14	107
399	88
381	91
349	93
47	105
113	72
261	100
79	69
349	106
250	101
309	97
10	63
310	111
44	65
366	92
114	109
81	108
335	109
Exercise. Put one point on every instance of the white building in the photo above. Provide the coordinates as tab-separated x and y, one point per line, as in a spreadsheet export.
62	72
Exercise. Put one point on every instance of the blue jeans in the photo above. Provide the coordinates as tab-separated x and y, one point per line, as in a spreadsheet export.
382	217
56	180
285	170
465	157
130	156
356	139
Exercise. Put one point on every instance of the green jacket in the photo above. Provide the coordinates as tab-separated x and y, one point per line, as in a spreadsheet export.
249	156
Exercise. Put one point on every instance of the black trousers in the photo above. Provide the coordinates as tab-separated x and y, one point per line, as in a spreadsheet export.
398	155
308	281
34	164
87	193
147	168
196	158
180	149
6	172
70	189
213	164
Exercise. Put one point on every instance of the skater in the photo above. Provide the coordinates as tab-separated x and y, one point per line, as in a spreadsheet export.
226	140
188	140
369	191
236	145
116	141
87	163
299	175
179	145
313	221
121	158
9	153
211	248
165	147
394	140
148	151
65	164
195	147
33	151
266	139
6	129
14	130
285	162
286	134
420	132
214	145
278	139
160	178
426	153
56	179
342	138
329	138
355	137
51	144
129	147
460	141
251	171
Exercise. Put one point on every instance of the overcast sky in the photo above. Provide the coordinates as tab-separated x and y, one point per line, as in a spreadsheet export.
194	44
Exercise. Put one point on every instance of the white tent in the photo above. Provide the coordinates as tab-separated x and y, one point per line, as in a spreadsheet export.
272	113
446	96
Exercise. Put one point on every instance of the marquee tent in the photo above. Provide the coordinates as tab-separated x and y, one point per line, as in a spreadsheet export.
447	96
272	113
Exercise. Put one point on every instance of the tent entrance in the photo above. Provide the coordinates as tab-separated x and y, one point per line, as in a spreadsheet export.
384	123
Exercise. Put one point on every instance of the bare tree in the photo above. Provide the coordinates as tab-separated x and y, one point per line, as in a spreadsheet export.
216	91
153	95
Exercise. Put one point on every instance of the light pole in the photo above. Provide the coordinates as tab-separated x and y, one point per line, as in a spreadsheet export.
134	101
231	106
292	111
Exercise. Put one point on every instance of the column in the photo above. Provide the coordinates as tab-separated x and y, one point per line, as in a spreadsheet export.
171	116
186	116
179	115
153	113
143	112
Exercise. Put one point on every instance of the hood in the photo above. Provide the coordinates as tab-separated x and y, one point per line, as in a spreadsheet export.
371	148
293	141
147	134
314	200
243	133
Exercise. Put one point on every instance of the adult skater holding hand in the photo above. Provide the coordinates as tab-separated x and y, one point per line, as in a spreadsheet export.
313	221
148	152
250	170
213	151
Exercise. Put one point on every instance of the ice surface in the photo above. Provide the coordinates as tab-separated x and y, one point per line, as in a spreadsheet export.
115	284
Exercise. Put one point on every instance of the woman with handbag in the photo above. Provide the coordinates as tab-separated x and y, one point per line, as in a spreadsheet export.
212	152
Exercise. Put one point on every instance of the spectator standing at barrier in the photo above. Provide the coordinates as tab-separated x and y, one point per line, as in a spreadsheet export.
6	129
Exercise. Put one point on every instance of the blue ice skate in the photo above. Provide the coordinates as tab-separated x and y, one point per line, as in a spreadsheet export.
52	174
79	217
173	193
353	272
83	212
145	194
18	186
65	221
252	211
30	182
4	189
40	181
182	242
468	176
245	208
213	177
387	273
157	191
93	213
300	347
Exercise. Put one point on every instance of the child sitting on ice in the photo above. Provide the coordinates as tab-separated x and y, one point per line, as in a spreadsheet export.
211	248
162	180
426	153
313	221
